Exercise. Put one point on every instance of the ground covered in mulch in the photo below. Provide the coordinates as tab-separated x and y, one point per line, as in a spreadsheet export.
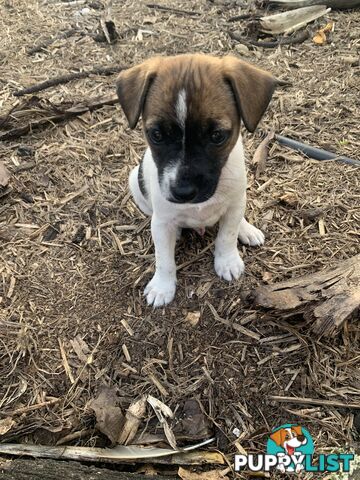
76	253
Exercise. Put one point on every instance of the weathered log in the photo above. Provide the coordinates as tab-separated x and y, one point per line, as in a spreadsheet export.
24	469
337	4
288	22
325	298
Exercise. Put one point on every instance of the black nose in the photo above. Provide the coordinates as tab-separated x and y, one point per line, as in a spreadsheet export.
301	438
183	193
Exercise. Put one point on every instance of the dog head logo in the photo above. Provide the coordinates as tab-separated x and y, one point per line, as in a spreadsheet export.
290	440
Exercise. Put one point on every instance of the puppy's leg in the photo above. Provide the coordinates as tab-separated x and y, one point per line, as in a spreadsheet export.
140	200
228	263
161	288
250	235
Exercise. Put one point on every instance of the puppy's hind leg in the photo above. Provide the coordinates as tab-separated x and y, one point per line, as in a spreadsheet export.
140	200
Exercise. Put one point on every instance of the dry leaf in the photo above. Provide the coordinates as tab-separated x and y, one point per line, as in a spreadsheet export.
193	423
192	318
210	475
109	417
6	424
162	411
320	37
4	175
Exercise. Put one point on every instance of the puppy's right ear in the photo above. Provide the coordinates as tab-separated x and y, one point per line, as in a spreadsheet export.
132	87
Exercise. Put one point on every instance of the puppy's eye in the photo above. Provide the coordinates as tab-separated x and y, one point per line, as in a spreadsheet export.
155	136
218	137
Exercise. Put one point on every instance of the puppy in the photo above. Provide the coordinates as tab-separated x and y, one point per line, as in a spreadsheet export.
193	171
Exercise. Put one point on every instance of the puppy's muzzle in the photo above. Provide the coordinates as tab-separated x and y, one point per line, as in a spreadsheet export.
183	192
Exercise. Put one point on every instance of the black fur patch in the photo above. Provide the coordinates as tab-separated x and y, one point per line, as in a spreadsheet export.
141	180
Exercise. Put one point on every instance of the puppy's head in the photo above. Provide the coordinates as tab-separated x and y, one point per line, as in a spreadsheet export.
192	106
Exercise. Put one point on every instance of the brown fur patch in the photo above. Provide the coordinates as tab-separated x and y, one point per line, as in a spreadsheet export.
222	89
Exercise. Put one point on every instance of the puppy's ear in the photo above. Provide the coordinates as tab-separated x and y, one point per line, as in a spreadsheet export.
297	429
132	87
278	437
252	87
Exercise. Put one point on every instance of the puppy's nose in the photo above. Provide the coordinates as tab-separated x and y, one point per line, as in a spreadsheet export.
184	193
301	438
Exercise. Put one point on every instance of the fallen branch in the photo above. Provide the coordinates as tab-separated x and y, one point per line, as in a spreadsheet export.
173	10
340	4
296	39
315	401
60	80
49	41
60	114
326	298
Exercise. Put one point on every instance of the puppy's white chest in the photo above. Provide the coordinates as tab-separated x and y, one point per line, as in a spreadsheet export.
200	216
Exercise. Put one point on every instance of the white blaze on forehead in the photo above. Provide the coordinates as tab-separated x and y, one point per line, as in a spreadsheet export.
181	107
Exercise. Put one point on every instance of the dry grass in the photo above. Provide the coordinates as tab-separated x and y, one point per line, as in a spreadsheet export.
76	253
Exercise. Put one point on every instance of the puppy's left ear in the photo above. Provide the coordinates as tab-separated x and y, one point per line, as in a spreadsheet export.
132	86
252	87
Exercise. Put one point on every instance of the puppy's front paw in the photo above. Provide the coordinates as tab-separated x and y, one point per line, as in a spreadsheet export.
229	267
250	235
160	291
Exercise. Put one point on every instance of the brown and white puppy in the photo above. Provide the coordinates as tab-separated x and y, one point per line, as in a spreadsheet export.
193	171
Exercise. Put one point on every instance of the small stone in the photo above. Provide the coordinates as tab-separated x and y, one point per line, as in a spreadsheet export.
242	49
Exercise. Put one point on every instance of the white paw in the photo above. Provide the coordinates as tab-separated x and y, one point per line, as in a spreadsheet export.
250	235
229	267
160	291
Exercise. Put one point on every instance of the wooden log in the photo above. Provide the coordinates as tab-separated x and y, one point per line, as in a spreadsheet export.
337	4
25	469
325	298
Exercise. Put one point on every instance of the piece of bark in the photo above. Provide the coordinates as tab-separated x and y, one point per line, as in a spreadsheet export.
134	415
61	79
288	22
326	298
63	113
340	4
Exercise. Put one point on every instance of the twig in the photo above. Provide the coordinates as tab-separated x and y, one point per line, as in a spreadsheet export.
66	114
174	10
314	401
31	408
244	16
300	38
233	325
49	41
60	80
